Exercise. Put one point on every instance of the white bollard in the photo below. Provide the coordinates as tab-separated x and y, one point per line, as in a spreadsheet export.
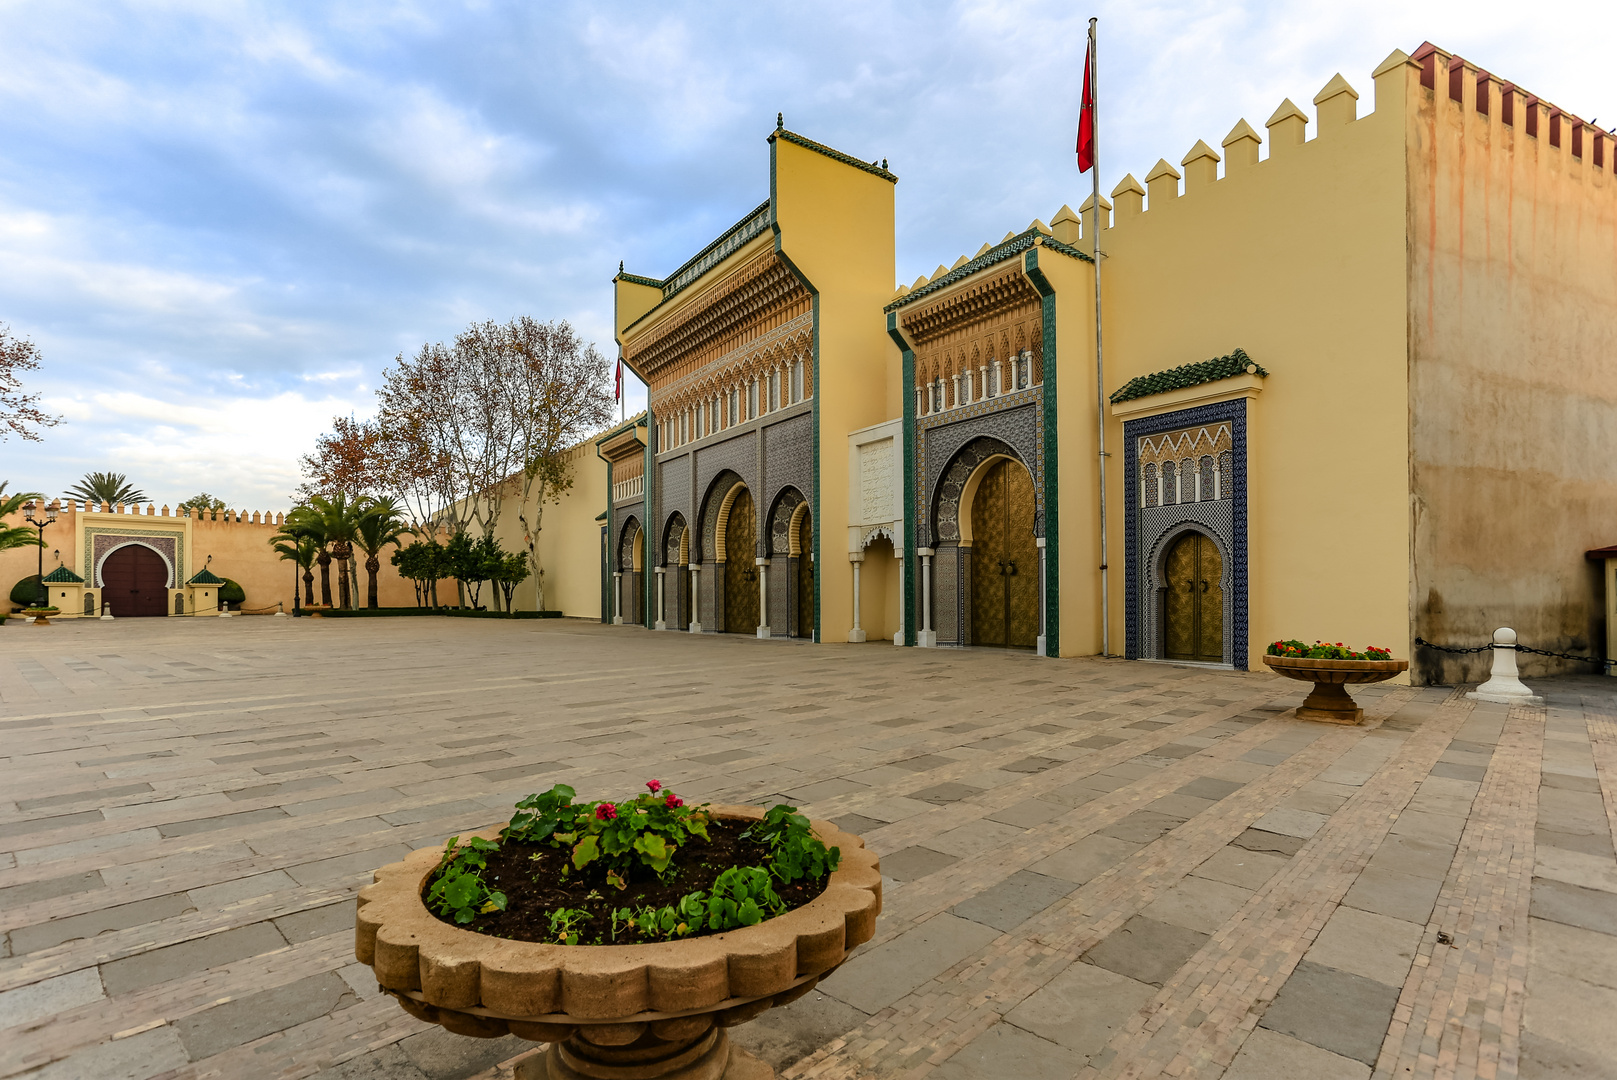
280	610
106	612
1504	685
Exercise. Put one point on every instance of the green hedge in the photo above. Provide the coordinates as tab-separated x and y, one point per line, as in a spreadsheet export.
26	591
464	613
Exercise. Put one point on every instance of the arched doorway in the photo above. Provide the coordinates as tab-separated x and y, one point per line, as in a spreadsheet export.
1194	609
134	581
803	548
1004	558
737	546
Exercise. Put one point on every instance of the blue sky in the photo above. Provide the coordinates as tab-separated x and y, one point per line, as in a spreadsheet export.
220	221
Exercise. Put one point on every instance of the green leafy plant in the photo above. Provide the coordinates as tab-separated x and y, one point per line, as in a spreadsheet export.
644	831
671	921
564	924
742	896
1324	650
794	851
539	816
458	889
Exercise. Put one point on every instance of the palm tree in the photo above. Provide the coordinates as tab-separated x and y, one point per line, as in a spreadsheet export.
107	487
300	549
15	536
382	524
337	520
303	523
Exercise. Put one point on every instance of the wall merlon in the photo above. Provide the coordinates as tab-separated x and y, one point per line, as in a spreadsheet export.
1064	226
1241	147
1201	166
1288	128
1337	104
1130	197
1162	182
1087	212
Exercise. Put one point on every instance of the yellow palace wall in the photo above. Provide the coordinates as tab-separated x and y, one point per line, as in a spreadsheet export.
837	229
569	542
1299	259
1513	324
240	550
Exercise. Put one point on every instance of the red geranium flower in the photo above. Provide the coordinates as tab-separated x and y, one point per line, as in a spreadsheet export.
606	811
674	801
654	785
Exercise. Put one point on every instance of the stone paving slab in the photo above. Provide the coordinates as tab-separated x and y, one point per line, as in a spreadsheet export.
1093	867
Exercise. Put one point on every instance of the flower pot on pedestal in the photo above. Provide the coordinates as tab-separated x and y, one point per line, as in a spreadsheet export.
653	1011
1330	700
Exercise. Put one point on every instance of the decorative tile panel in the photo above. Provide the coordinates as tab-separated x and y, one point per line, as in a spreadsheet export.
1148	531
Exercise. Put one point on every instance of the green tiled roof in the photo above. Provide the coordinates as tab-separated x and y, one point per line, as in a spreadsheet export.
63	576
636	279
1220	367
1010	248
206	577
836	155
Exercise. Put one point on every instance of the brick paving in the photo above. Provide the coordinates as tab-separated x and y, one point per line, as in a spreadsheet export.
1094	868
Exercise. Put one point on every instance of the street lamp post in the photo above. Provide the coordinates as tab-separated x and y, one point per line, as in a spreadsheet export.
30	509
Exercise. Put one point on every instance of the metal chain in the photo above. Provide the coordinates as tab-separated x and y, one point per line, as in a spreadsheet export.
1603	661
1446	648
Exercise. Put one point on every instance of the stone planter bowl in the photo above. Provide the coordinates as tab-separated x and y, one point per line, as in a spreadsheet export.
1330	700
41	616
614	1012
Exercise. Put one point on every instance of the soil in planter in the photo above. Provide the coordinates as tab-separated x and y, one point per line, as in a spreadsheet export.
530	877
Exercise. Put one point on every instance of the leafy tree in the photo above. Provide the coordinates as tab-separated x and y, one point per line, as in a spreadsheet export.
107	487
559	395
231	592
20	414
349	459
200	503
301	550
423	562
20	534
513	571
381	524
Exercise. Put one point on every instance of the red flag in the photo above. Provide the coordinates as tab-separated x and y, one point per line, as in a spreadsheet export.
1086	123
617	393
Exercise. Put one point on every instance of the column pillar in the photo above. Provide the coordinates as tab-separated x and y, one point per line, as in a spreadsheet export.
1043	612
898	555
696	598
763	597
857	558
617	598
662	581
926	637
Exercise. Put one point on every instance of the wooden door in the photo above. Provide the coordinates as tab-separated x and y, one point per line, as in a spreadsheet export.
134	580
1195	600
1004	559
740	567
805	577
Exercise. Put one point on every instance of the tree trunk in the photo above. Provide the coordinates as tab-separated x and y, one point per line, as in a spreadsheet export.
435	592
325	578
372	564
308	587
342	580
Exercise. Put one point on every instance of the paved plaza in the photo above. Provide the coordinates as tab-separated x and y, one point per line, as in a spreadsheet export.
1093	868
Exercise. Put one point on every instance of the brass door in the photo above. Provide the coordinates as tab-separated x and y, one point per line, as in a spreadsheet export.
1195	601
1004	559
805	577
740	567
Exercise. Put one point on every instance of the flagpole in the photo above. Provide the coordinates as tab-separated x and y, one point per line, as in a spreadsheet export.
1100	370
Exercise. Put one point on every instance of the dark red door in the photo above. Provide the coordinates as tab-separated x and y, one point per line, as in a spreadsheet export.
134	580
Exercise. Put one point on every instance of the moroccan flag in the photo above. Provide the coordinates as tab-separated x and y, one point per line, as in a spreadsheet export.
618	389
1086	122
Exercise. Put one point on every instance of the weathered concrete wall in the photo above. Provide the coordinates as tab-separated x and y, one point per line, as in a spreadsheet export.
1513	374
